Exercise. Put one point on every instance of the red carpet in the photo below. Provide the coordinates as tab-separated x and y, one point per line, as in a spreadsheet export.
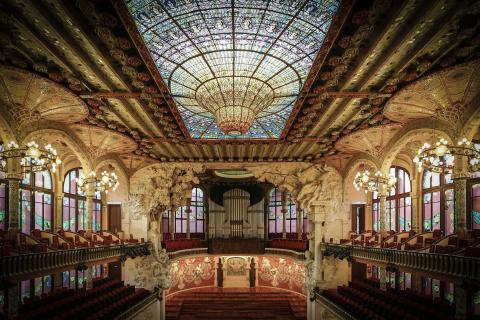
233	303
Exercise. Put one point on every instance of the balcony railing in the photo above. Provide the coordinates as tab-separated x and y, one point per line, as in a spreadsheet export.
132	312
20	265
446	264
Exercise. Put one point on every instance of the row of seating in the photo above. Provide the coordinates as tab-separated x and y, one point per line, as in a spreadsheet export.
289	244
291	236
182	244
12	243
368	302
69	304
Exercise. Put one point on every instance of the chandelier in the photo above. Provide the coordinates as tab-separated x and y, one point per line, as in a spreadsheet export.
440	158
375	183
235	102
32	157
106	182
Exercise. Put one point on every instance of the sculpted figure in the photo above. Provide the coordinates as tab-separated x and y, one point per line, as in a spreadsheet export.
154	237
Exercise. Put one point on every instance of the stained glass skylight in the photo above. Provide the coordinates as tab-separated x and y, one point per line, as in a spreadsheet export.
234	68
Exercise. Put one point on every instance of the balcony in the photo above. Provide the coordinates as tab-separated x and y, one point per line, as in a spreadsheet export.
448	265
16	267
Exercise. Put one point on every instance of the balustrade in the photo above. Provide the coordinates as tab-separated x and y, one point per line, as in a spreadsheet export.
446	264
19	265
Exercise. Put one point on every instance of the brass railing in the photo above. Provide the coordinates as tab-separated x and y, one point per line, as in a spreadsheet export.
446	264
17	266
286	252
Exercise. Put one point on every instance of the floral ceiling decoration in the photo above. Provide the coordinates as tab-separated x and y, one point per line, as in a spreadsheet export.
234	68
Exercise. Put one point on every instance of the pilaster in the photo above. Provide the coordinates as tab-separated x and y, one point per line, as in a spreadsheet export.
188	211
58	212
299	222
284	215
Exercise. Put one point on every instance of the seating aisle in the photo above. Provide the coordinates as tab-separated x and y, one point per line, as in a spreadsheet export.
236	303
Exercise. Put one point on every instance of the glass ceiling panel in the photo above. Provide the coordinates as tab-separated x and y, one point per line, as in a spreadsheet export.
234	67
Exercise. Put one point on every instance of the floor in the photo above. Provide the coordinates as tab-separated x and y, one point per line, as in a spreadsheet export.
236	304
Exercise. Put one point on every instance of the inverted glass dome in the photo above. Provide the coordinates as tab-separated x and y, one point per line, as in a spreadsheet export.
234	68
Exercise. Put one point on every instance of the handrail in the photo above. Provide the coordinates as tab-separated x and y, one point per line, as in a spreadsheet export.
186	252
333	308
135	309
450	265
20	265
286	252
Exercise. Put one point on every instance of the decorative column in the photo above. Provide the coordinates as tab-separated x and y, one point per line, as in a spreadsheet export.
299	223
90	194
382	212
206	214
89	278
13	200
58	212
415	206
265	215
188	210
284	215
171	216
460	176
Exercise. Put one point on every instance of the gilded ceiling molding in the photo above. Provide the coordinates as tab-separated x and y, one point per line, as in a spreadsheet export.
6	132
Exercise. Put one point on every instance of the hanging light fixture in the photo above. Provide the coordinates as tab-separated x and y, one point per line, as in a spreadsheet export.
106	182
374	183
32	157
440	157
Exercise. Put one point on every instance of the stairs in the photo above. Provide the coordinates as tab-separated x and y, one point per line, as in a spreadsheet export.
236	304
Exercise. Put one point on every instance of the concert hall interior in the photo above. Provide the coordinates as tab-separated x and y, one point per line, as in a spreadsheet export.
239	159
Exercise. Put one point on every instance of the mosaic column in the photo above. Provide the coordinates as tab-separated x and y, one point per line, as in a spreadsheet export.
414	196
58	212
299	222
14	200
188	210
89	206
382	213
171	216
284	215
460	189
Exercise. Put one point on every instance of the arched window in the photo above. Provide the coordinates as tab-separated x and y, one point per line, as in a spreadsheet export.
438	202
275	223
473	198
291	219
3	198
36	198
197	214
74	211
398	213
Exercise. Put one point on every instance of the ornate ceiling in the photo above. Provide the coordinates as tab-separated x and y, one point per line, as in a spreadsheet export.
362	56
233	61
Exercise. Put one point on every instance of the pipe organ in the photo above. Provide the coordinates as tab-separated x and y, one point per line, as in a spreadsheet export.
236	218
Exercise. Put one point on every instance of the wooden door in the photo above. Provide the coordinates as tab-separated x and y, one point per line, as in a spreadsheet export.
115	270
114	218
358	218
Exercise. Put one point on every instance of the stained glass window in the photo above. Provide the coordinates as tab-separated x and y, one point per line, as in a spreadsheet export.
275	215
74	211
473	197
243	59
181	220
398	213
438	202
291	219
36	202
197	216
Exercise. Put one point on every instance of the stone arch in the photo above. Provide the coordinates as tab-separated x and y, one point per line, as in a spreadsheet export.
472	125
406	135
6	132
118	165
361	158
74	146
